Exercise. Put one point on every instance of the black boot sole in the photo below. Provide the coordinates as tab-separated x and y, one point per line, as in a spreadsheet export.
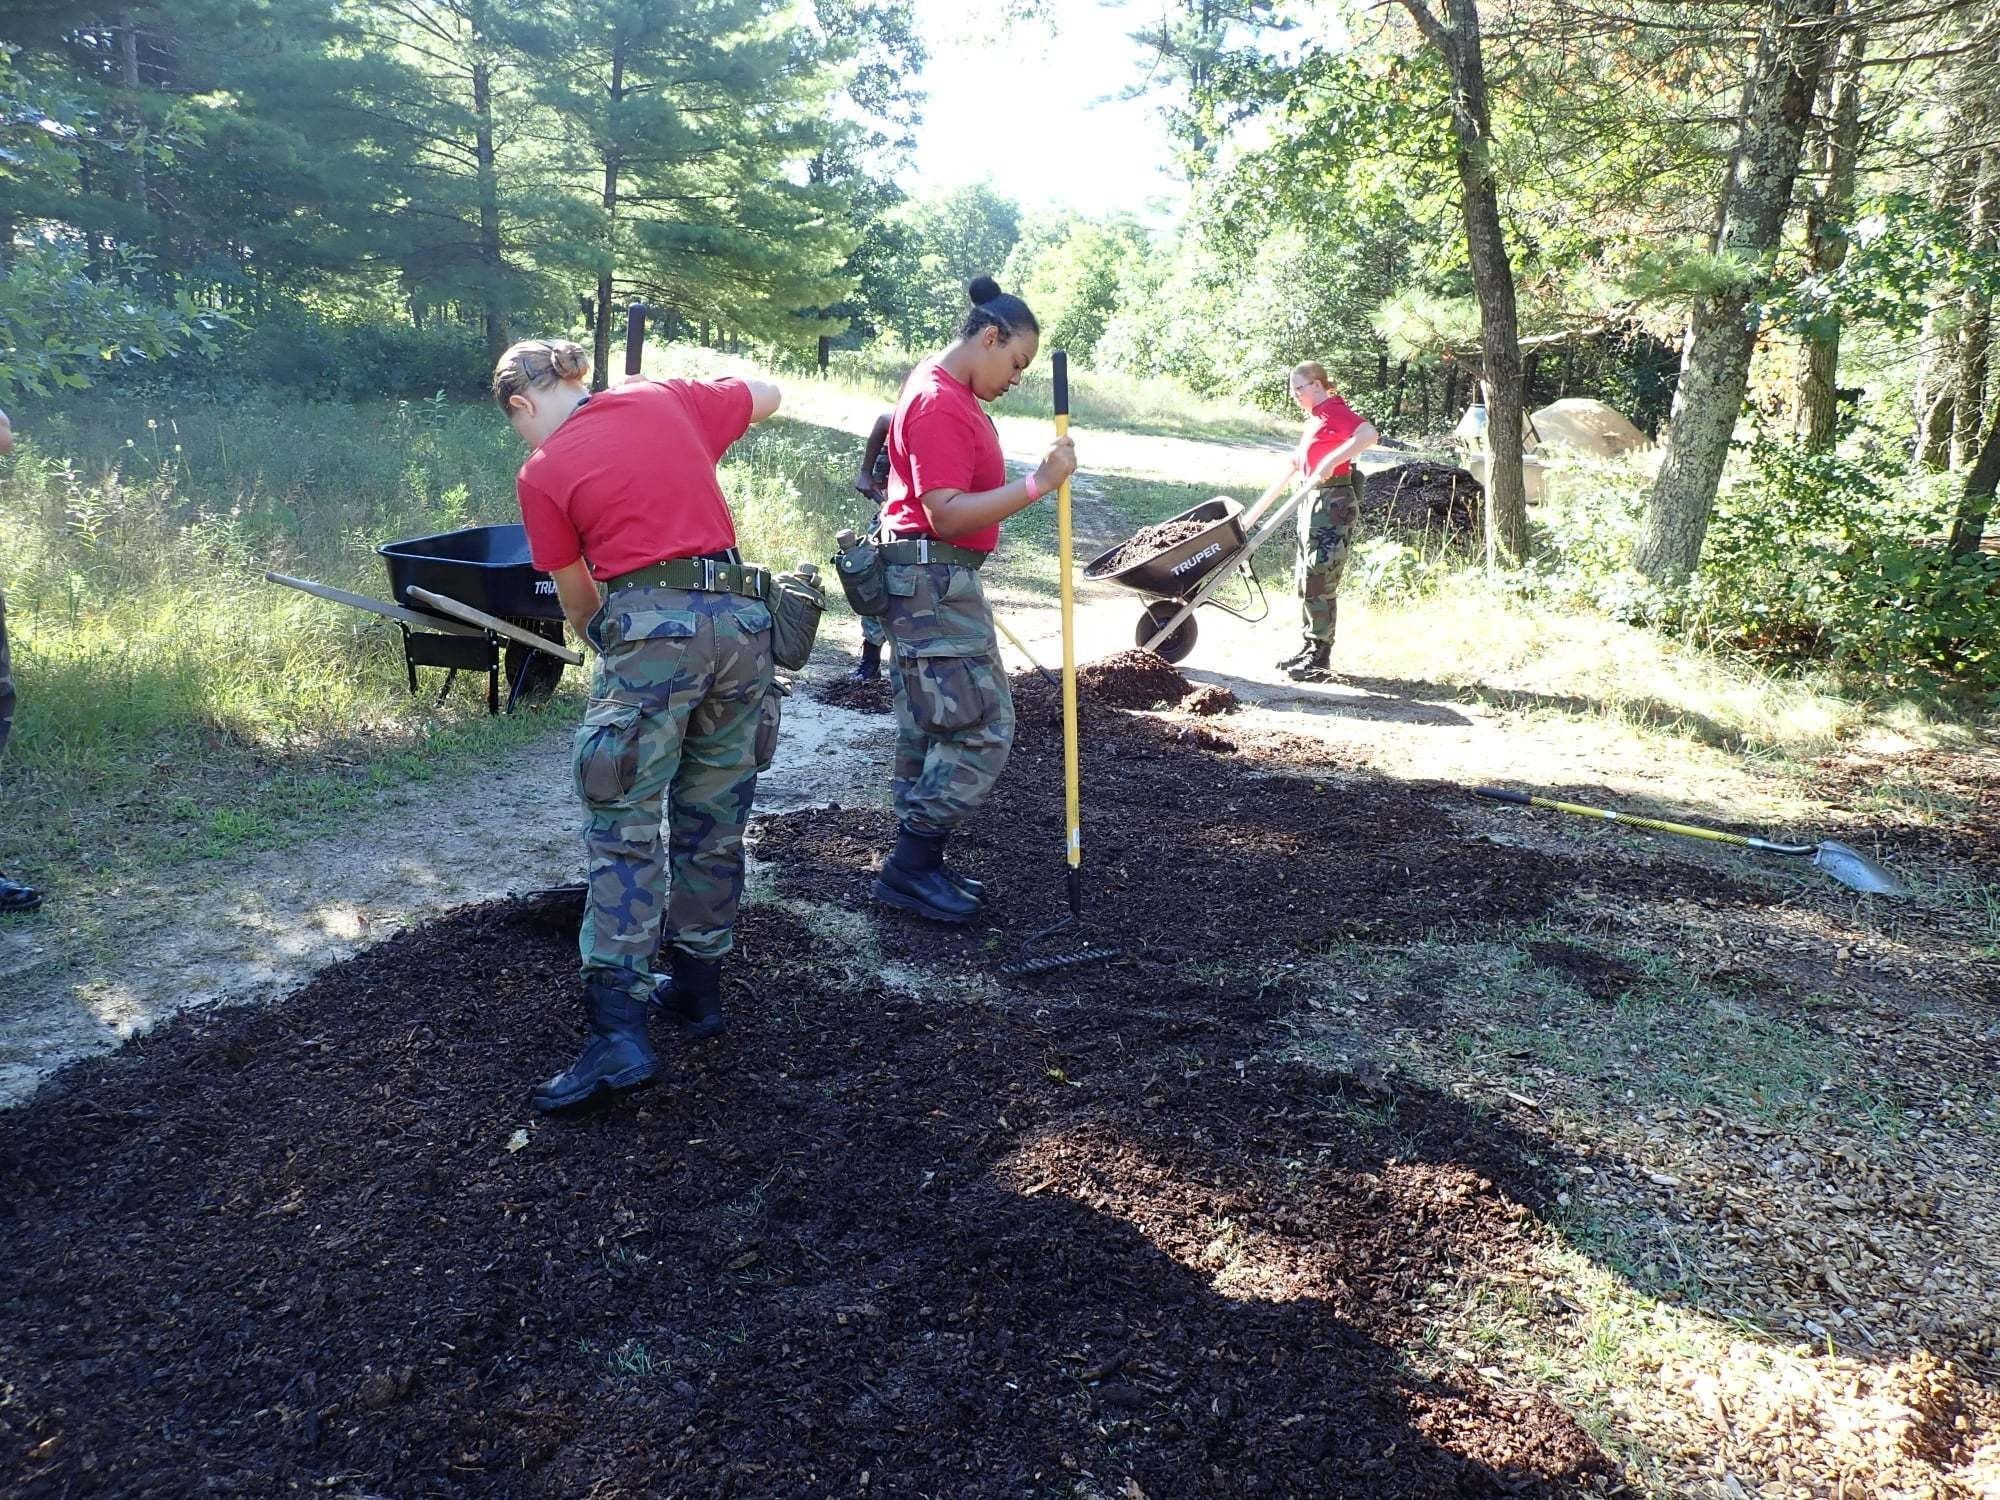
888	896
618	1083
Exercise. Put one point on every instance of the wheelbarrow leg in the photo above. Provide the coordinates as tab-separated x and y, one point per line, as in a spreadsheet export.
450	676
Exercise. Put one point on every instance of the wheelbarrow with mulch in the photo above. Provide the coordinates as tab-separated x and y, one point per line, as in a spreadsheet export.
1184	562
468	600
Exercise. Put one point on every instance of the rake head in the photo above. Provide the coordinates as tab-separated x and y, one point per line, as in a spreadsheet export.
1038	954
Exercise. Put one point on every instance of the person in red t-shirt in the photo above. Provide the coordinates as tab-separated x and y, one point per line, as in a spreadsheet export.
1333	439
948	494
622	509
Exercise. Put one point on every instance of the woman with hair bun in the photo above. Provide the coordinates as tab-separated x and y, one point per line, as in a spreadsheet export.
622	509
948	493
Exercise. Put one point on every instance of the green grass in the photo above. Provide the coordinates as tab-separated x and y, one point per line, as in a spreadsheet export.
172	701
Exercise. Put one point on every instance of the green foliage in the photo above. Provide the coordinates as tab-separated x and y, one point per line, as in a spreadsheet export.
60	328
1070	272
354	358
1819	555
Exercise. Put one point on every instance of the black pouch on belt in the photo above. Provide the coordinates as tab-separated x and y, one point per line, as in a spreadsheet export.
859	564
796	600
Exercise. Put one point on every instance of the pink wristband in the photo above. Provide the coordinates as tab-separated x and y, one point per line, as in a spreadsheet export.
1033	492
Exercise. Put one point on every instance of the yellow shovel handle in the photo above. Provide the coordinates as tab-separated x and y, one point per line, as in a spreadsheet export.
1658	825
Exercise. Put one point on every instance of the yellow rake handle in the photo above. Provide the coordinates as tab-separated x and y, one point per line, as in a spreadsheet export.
1072	797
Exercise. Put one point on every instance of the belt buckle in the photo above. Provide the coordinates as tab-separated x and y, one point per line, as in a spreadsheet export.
708	575
923	549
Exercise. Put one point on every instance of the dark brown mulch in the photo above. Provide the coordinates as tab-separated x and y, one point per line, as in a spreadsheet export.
1598	975
1193	854
1147	542
1132	679
1212	699
871	697
1422	494
865	1243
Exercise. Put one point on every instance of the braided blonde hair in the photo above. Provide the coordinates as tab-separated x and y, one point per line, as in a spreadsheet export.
535	363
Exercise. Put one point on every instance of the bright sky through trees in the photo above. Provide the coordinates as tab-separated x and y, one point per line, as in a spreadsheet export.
1035	111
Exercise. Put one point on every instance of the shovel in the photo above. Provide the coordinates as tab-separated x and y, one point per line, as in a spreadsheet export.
1847	865
1036	955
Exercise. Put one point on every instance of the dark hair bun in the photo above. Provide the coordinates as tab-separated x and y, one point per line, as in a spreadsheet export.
983	290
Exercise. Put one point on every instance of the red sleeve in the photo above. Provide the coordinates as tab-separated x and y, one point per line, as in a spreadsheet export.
1339	422
721	410
552	539
941	452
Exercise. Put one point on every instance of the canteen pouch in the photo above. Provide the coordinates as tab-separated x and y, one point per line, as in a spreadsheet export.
796	603
860	570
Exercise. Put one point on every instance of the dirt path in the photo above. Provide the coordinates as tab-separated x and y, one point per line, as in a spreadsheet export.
216	933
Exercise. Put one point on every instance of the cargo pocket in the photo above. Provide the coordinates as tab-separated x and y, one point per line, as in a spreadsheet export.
770	719
947	693
607	752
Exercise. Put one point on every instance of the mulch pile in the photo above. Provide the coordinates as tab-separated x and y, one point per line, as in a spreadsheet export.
1131	679
1148	542
1422	494
874	696
867	1243
1212	699
1194	853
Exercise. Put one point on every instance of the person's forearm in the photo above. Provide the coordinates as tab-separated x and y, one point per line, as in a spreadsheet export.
956	513
577	591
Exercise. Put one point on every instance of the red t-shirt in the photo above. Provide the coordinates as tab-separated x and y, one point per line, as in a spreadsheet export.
628	480
940	439
1332	423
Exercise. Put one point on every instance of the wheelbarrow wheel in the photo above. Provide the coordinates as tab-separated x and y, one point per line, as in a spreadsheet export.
532	675
1175	647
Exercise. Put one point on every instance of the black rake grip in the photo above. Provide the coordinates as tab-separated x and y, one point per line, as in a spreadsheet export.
1059	374
1501	794
635	336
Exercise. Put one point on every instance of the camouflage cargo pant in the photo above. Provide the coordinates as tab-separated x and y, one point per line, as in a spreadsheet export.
872	631
683	714
954	709
1327	520
6	679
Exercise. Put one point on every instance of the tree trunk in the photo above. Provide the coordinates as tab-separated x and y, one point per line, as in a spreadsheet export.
1458	42
825	353
490	256
1826	241
1976	503
1975	317
601	343
1715	360
1402	382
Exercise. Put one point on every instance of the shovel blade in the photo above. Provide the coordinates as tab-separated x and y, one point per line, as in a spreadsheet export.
1855	870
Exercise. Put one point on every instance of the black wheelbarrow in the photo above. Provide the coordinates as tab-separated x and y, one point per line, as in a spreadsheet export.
1188	573
469	600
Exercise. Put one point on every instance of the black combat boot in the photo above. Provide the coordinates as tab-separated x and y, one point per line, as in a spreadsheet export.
1315	665
616	1055
691	996
15	896
870	666
913	879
